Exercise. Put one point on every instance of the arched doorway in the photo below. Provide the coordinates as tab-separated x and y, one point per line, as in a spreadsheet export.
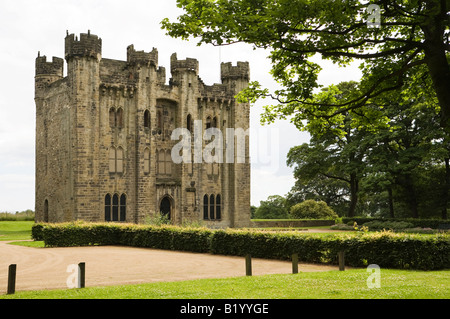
165	207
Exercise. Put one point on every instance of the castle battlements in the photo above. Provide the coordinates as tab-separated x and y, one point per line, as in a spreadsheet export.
89	45
182	65
240	71
55	67
141	57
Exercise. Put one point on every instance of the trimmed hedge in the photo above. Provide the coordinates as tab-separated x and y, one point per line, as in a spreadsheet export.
386	249
416	222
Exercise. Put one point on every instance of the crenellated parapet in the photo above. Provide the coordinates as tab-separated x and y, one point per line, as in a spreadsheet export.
183	65
142	58
53	68
230	72
88	45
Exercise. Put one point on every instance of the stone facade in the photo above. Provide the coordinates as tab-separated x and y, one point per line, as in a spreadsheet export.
103	139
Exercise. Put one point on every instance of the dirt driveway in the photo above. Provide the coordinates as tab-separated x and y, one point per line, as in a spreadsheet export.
47	268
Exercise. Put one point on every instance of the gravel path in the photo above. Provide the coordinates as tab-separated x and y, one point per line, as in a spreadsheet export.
46	268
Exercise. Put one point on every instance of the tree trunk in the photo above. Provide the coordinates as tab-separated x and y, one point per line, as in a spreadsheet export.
436	59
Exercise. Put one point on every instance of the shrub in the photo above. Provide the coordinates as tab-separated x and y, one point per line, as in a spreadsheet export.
312	209
388	225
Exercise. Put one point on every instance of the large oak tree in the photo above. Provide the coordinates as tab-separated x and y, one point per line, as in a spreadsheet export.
410	40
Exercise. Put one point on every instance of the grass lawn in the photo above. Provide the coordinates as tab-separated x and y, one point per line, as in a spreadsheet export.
15	230
351	284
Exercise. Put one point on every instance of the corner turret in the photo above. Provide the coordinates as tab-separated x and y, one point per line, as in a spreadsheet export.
183	65
47	72
89	45
230	72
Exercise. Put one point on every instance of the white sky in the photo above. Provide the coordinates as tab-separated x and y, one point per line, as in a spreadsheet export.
29	26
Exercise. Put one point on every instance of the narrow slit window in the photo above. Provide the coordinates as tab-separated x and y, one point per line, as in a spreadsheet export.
218	207
205	207
115	208
211	207
119	118
123	207
189	122
108	207
112	117
147	119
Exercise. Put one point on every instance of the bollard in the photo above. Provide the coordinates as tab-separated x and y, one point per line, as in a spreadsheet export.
341	256
81	275
295	263
12	269
248	265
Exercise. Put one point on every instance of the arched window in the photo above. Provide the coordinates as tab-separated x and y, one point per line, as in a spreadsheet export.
214	121
147	118
159	122
189	122
218	207
112	159
208	122
205	207
123	207
112	117
119	162
115	207
108	208
146	160
119	118
211	207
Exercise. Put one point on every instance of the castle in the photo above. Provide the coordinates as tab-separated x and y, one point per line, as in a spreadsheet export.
104	139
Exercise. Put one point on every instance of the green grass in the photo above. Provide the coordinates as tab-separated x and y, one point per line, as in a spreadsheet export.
15	230
351	284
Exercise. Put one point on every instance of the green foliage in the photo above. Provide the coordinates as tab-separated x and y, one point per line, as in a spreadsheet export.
297	31
158	220
388	250
388	225
413	222
273	208
27	215
312	209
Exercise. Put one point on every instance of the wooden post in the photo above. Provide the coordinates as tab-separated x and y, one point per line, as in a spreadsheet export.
12	269
248	265
341	256
81	275
294	263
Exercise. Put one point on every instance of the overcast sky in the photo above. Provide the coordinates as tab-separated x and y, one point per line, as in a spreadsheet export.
29	26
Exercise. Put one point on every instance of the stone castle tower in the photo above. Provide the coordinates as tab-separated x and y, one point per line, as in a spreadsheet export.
103	139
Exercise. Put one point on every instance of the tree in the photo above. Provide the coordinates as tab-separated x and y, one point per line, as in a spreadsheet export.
410	38
272	208
335	151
